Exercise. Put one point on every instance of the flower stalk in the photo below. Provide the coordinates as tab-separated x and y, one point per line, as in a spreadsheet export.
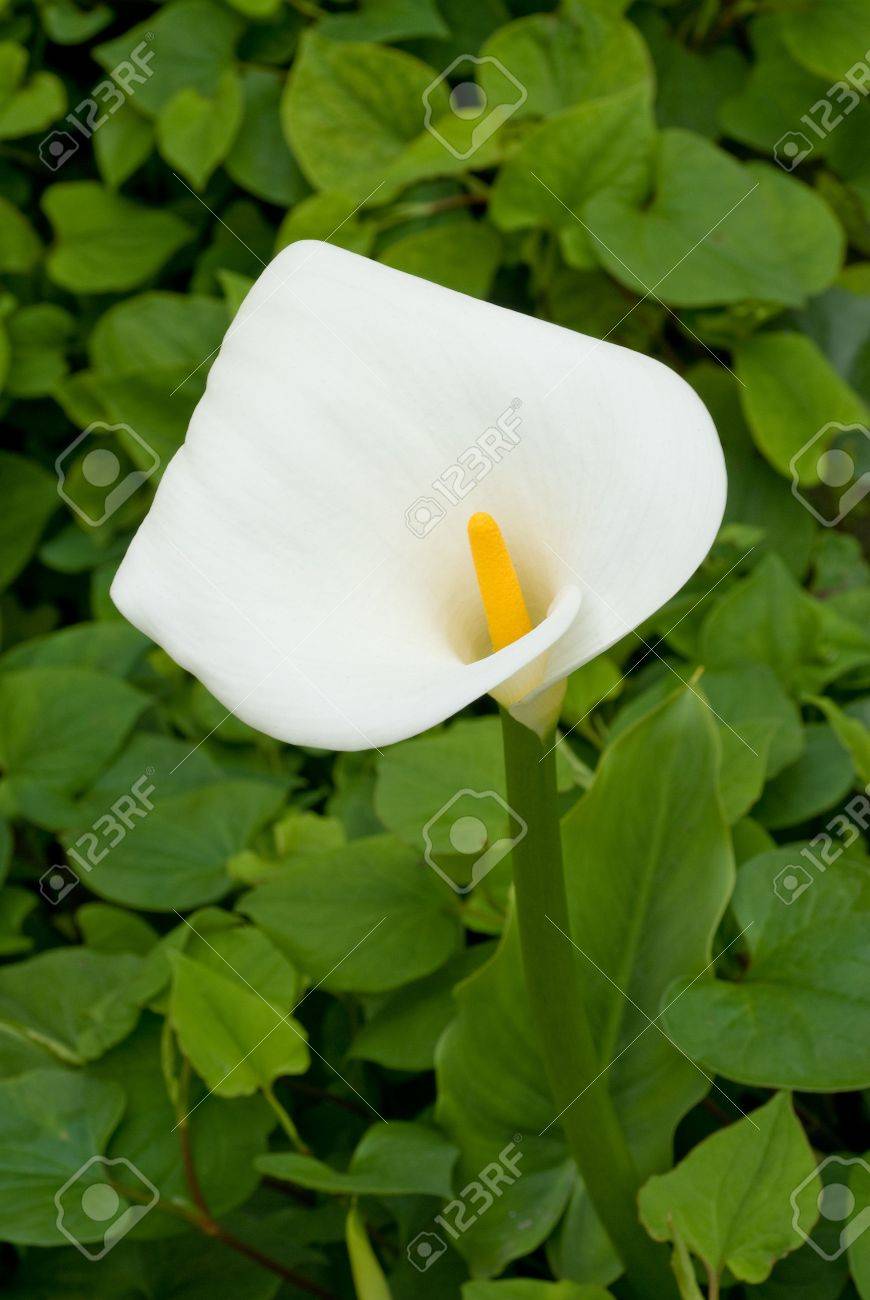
574	1069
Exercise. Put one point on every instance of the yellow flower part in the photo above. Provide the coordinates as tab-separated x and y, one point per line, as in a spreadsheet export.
500	590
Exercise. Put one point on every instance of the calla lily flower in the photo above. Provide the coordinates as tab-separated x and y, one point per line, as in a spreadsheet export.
307	554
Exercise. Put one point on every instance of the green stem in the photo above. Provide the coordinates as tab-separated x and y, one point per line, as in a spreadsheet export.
286	1122
574	1070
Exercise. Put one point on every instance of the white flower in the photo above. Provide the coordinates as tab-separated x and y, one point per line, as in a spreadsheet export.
289	564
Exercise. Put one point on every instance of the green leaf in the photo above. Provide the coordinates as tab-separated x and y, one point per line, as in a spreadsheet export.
753	232
65	24
859	1246
462	255
767	618
236	1040
206	826
838	322
385	20
16	906
153	331
592	303
350	109
827	38
257	9
761	732
690	84
851	732
755	494
526	1289
149	362
30	499
331	217
775	95
729	1198
654	809
798	1017
418	776
561	61
221	942
111	929
599	146
369	1281
39	337
195	132
106	243
820	779
19	243
403	1031
52	1123
365	917
72	1003
26	106
597	682
260	159
196	40
395	1159
113	648
122	145
226	1134
58	727
793	427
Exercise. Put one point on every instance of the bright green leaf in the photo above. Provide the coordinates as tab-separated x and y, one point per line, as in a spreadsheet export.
104	242
717	231
236	1040
395	1159
799	1015
195	132
729	1197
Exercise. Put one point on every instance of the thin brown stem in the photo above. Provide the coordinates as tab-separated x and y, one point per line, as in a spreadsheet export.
202	1218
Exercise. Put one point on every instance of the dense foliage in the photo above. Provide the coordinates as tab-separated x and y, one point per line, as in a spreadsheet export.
225	965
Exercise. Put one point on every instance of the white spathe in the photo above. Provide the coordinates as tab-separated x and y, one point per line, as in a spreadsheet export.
277	563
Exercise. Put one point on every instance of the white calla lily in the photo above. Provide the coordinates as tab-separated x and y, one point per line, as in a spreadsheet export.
298	559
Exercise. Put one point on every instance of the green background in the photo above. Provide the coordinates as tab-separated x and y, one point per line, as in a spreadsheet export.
145	1015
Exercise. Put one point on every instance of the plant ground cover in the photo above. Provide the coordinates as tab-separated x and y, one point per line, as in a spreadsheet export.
248	1038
